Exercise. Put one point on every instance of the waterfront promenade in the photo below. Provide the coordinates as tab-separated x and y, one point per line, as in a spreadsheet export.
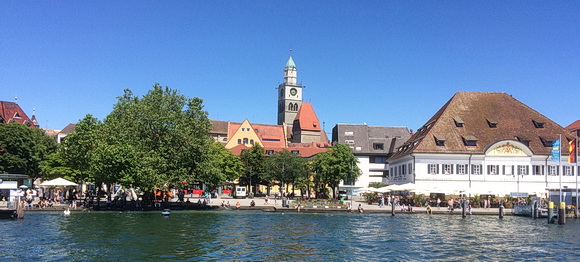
275	205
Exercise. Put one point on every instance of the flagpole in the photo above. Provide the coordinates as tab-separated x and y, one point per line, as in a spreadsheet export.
560	166
577	170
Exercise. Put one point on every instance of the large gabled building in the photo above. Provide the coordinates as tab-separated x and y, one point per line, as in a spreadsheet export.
486	143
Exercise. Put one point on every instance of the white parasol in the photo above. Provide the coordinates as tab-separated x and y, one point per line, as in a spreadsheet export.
58	182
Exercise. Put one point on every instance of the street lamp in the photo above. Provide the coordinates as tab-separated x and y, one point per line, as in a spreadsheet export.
282	188
351	184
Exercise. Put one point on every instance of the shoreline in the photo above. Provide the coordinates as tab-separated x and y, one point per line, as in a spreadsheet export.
273	206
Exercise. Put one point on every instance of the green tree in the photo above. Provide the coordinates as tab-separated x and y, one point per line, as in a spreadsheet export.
23	149
333	166
254	161
78	148
55	166
163	134
287	168
219	166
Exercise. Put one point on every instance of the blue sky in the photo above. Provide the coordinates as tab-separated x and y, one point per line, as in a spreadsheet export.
388	63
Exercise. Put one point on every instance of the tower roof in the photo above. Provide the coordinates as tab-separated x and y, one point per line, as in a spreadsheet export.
306	119
290	63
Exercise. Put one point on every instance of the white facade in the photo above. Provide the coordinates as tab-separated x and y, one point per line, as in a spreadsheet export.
370	173
506	166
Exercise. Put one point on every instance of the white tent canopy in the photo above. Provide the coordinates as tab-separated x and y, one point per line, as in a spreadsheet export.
58	182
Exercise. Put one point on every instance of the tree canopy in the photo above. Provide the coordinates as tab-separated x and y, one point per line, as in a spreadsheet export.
335	165
23	149
287	168
157	139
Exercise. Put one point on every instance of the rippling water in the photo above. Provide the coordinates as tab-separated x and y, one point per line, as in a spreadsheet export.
254	235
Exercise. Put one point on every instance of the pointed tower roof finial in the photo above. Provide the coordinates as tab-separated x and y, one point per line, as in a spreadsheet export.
290	63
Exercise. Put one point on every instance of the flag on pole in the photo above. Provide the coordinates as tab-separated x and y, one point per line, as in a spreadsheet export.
556	150
572	150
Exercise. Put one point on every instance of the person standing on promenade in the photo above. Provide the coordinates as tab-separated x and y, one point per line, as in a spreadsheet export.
438	203
382	202
450	205
468	206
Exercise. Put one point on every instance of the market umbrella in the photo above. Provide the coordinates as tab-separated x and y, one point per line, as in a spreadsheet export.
364	189
58	182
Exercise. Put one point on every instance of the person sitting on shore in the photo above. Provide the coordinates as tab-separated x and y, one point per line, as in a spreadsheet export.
360	208
428	210
238	205
253	203
50	203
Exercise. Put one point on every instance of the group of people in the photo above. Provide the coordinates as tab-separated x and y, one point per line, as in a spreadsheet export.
227	204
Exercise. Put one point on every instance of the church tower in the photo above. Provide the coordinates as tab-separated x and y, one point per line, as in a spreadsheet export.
289	95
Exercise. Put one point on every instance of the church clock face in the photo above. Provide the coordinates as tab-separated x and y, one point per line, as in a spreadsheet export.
293	91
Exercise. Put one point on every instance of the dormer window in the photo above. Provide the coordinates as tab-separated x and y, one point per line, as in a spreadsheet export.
523	140
492	123
16	115
470	140
547	142
458	121
439	140
538	124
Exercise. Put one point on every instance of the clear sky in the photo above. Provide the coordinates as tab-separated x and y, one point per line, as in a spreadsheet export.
385	63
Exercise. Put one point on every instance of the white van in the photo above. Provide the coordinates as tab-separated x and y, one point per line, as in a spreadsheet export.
240	192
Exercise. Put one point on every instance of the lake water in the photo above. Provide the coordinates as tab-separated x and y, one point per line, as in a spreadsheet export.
256	235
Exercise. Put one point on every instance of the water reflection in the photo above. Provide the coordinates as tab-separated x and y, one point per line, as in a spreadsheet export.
254	235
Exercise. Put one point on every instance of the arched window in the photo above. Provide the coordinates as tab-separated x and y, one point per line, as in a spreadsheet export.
251	141
239	141
245	140
295	106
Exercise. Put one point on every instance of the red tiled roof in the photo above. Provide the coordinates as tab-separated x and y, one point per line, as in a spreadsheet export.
573	126
10	111
306	119
269	133
478	111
